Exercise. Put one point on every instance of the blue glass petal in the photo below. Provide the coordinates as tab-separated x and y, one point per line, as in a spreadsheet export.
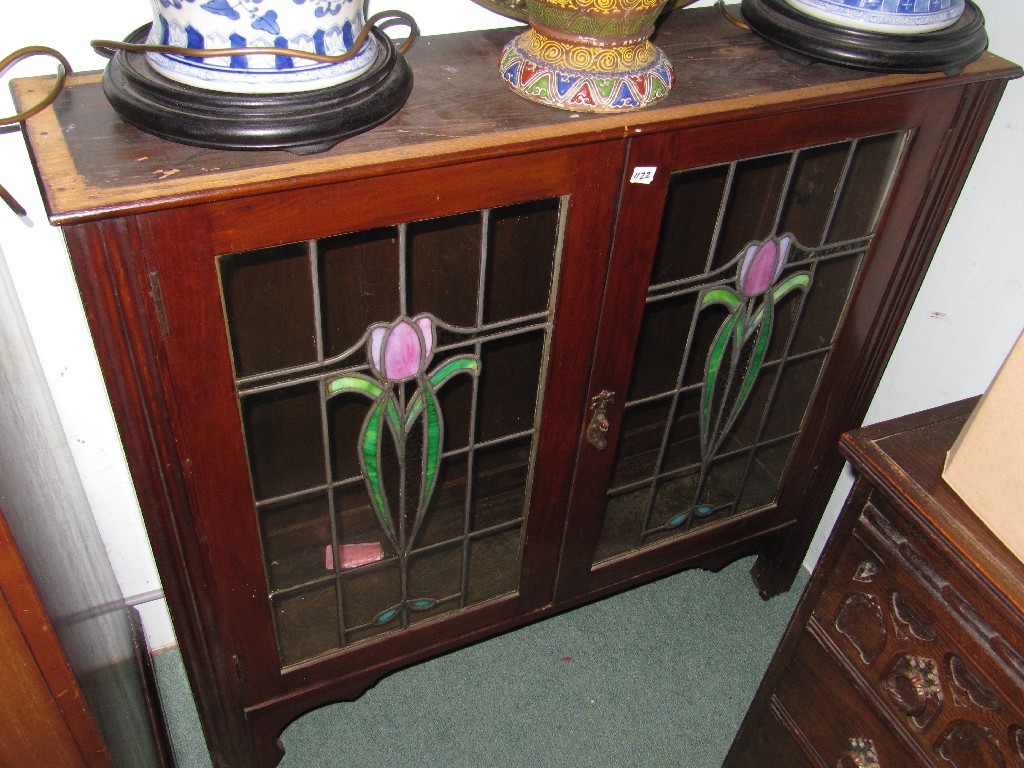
386	616
704	510
678	519
423	604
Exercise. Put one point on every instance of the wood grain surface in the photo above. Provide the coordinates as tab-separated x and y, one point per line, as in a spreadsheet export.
94	165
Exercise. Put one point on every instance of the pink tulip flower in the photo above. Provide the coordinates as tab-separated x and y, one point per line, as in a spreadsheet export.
761	265
401	350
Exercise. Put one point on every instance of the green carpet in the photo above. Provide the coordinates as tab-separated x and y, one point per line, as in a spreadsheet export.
659	676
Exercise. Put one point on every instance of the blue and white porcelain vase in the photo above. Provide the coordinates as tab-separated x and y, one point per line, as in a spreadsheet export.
328	27
898	17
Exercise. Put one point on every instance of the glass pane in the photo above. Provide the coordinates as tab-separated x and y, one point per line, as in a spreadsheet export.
683	448
661	345
444	267
688	225
798	380
729	358
283	434
501	477
307	622
675	497
640	441
492	565
358	285
391	459
752	205
522	246
817	176
767	466
359	535
624	518
366	596
435	579
269	306
833	278
295	537
446	519
509	380
866	187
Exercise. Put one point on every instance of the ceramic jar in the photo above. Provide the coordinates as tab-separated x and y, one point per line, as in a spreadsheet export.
899	17
320	26
589	55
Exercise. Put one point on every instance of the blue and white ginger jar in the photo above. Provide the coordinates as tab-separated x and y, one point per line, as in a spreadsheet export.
319	26
899	17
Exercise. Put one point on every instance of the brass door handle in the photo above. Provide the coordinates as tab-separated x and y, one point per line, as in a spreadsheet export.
597	430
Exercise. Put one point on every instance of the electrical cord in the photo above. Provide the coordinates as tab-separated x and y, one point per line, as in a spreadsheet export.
63	70
107	48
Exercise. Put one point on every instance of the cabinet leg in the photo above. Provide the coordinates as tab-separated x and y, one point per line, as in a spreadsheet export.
267	749
772	576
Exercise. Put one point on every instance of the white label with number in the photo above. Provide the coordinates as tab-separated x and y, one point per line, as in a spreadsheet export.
643	174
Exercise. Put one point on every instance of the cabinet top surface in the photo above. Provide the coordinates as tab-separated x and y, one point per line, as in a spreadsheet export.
904	457
92	165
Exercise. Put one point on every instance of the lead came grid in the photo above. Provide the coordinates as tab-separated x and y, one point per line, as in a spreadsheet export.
669	476
300	318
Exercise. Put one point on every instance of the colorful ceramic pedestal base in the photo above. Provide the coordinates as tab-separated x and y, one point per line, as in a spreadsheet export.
586	78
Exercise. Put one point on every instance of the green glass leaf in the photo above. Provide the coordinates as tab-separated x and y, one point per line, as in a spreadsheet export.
355	383
764	334
370	459
431	446
455	366
714	367
365	386
725	296
800	281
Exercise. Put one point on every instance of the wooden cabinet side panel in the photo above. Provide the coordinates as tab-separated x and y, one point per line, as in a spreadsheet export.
917	215
118	303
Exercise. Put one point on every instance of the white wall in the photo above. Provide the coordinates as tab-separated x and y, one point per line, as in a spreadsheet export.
970	309
968	314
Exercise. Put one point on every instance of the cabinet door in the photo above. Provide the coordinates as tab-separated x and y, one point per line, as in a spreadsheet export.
374	437
740	253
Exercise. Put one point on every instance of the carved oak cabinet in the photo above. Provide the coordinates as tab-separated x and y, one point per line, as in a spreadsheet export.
906	648
492	360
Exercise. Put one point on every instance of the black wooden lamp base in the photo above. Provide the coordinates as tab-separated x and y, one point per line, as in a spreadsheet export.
805	39
303	123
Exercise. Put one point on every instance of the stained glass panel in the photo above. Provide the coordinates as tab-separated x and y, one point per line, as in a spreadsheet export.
389	384
739	322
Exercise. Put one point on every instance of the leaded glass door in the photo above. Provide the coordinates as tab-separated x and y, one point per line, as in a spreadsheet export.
389	382
741	284
380	451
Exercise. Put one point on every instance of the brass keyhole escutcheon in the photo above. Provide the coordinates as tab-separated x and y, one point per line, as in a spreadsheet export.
597	431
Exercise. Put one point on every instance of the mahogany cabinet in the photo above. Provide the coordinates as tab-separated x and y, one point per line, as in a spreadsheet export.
492	360
906	648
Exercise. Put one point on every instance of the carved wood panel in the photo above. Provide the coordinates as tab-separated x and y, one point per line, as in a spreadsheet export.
936	667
